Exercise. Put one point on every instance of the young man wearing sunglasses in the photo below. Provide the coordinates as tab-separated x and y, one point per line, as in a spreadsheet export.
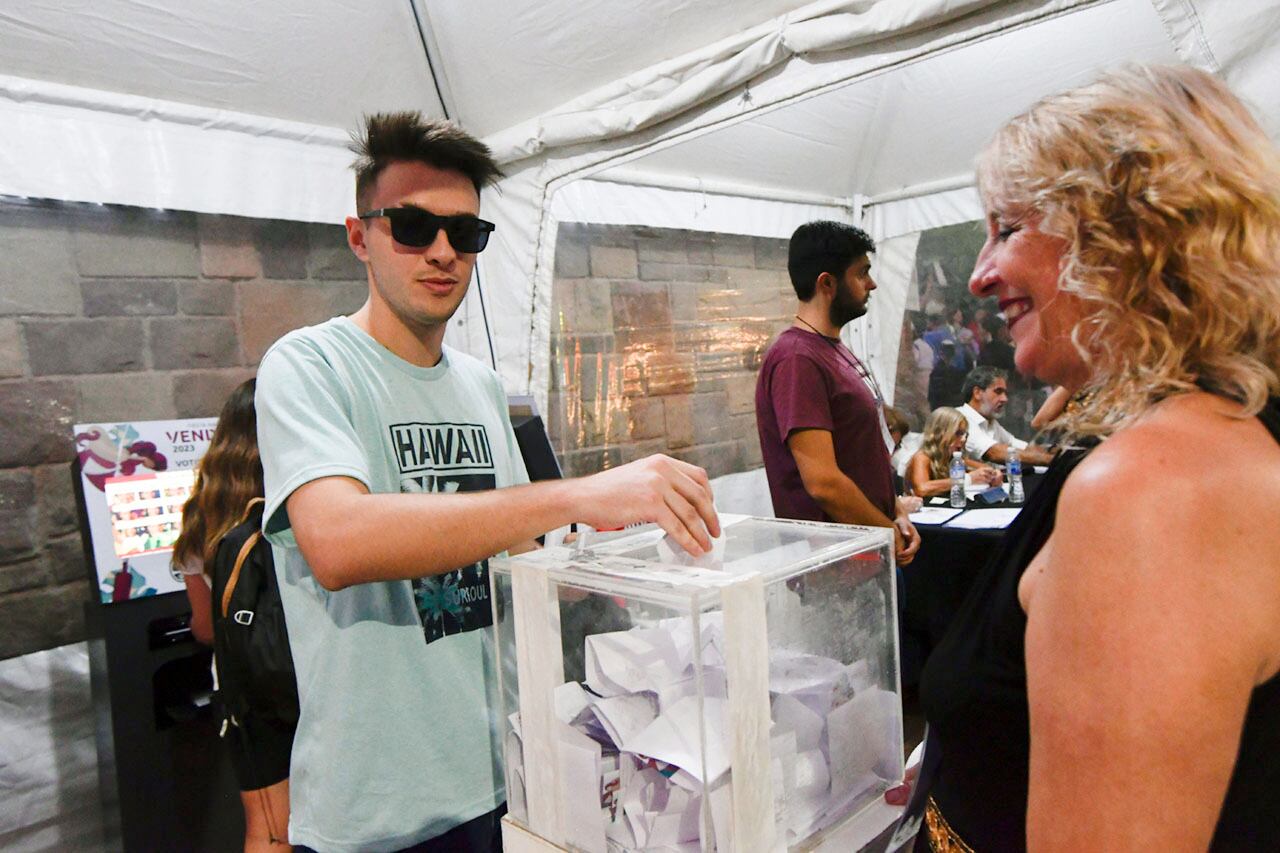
390	463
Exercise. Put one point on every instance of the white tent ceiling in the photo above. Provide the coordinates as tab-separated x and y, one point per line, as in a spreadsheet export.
319	62
920	122
557	50
325	62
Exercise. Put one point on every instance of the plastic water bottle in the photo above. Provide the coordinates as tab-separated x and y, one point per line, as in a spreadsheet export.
957	480
1013	473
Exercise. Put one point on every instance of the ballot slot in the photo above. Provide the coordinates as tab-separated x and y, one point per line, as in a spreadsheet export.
169	631
632	736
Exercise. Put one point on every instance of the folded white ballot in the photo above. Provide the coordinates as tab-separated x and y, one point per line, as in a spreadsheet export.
673	553
632	661
720	798
714	684
858	735
810	679
580	782
624	717
570	702
792	715
659	813
672	737
515	776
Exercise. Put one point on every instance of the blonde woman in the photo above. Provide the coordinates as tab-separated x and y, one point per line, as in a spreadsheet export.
1111	682
929	471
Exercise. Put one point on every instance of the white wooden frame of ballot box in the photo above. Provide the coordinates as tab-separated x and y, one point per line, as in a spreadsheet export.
741	597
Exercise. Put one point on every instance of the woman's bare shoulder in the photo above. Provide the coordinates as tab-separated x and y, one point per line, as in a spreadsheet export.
1176	512
1197	441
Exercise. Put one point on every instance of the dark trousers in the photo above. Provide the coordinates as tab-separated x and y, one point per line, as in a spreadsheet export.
478	835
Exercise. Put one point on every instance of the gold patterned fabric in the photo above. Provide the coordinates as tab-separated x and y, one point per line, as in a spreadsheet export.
942	838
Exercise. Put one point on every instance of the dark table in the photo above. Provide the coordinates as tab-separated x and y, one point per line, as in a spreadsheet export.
936	582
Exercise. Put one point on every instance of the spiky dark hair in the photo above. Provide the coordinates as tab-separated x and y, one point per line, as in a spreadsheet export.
386	138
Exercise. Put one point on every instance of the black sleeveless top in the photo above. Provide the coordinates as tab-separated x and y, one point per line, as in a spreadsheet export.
974	694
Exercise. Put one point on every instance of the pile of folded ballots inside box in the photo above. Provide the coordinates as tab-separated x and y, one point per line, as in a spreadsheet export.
642	744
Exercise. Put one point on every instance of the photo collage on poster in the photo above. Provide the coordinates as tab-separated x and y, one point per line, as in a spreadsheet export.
146	511
136	478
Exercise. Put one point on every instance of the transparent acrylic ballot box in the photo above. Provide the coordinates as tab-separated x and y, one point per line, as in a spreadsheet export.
745	700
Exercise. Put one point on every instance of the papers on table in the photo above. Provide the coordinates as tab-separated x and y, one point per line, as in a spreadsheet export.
933	515
985	519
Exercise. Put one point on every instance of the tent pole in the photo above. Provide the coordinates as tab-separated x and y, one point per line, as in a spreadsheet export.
444	108
427	51
956	182
644	178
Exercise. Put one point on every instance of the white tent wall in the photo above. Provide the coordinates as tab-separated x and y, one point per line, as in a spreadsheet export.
877	336
75	144
836	41
885	219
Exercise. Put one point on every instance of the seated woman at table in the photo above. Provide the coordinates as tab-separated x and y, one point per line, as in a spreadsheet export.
929	471
1112	681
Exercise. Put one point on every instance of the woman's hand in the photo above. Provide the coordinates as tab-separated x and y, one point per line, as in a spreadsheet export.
900	795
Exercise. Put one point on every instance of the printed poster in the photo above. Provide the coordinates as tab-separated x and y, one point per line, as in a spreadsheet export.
136	478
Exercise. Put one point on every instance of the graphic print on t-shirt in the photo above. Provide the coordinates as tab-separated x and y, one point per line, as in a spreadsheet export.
447	457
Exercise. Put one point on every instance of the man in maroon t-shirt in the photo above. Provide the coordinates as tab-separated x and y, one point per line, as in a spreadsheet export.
818	408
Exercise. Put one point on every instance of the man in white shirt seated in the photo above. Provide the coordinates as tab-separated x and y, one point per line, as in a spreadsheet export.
986	391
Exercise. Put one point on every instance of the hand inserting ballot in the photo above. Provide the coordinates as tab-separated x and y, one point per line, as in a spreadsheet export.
673	494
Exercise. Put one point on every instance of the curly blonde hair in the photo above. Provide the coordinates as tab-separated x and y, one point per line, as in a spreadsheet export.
1167	193
229	476
940	430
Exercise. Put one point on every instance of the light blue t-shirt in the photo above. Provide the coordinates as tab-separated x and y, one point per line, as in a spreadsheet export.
397	740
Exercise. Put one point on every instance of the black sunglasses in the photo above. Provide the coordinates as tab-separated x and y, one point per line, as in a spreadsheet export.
413	226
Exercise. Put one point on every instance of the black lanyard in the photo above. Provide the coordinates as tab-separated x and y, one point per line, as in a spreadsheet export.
851	360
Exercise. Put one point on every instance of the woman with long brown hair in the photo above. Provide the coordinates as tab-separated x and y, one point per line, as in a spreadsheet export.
229	477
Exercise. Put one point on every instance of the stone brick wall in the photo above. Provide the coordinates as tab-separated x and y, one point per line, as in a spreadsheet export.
110	313
656	341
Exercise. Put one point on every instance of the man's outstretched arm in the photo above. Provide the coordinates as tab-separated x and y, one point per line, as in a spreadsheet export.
349	536
1032	454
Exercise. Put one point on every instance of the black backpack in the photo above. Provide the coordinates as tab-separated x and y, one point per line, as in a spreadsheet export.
250	642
